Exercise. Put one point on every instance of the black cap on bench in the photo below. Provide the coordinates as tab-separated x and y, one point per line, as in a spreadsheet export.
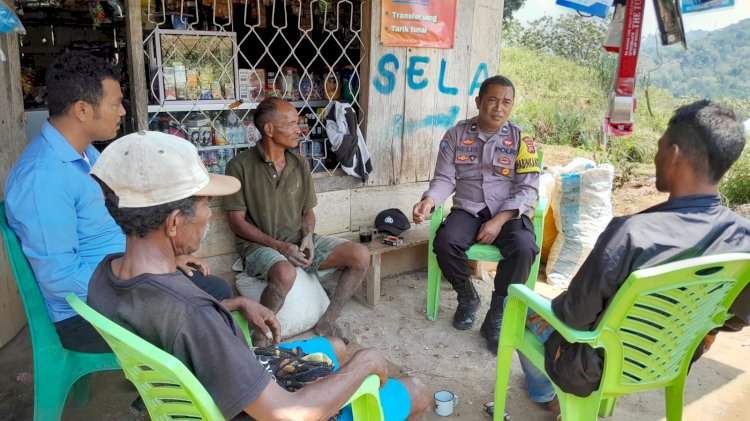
392	221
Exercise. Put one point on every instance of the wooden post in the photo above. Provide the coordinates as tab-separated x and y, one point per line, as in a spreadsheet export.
136	64
12	142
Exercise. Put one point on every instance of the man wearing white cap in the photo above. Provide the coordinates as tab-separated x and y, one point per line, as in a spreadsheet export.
156	189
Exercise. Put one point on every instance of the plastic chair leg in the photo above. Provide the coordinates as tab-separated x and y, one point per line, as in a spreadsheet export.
607	407
433	287
367	408
504	357
50	391
575	408
675	395
81	389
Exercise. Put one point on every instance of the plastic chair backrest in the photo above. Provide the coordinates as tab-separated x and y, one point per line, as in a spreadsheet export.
43	333
62	369
660	314
167	387
171	391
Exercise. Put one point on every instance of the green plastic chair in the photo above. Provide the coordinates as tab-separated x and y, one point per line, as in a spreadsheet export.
171	391
56	369
480	252
648	333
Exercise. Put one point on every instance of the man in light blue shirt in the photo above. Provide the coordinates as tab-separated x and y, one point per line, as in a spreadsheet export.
57	210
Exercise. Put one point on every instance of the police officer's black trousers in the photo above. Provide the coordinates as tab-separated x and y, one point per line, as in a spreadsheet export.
516	242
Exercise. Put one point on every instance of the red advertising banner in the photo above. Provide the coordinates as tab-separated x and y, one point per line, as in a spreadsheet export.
418	23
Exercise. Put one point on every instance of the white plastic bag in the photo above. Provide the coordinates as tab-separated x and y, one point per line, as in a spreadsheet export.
582	206
304	303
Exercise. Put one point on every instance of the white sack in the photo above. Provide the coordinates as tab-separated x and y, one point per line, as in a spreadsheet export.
582	206
304	304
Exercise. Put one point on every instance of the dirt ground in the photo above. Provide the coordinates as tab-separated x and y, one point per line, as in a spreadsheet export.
441	356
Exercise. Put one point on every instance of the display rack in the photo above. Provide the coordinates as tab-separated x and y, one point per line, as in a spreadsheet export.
223	105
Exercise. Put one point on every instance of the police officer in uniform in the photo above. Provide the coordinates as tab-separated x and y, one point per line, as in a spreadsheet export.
494	170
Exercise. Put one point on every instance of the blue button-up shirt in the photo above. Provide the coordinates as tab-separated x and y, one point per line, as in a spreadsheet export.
57	211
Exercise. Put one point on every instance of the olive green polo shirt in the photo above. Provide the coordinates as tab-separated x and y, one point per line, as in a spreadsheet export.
272	202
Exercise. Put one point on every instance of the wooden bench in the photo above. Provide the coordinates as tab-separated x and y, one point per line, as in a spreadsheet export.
388	260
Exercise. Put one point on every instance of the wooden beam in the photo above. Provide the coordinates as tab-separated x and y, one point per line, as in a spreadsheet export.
12	120
136	66
12	143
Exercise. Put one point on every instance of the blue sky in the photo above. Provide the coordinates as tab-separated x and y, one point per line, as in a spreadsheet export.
708	21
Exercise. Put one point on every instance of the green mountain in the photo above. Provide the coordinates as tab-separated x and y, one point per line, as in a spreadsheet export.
716	64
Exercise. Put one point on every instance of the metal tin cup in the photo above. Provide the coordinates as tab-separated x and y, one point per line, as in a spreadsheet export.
445	401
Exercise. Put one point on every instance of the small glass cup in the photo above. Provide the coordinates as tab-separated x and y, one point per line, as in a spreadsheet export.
366	234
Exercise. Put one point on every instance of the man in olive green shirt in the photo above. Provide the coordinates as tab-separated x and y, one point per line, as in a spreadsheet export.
273	218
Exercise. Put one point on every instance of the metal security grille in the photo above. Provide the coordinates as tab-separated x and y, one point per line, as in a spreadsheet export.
210	62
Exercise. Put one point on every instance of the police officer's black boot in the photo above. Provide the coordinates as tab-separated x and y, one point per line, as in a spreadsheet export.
468	303
490	329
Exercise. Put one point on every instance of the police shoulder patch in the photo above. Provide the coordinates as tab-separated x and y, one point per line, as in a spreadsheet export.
528	159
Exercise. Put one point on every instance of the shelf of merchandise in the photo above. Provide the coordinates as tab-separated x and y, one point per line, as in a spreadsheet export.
224	105
228	146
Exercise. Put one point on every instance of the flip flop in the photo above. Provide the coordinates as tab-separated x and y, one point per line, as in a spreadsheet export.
489	408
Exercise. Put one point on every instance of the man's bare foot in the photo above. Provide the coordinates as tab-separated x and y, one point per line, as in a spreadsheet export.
331	330
554	406
259	339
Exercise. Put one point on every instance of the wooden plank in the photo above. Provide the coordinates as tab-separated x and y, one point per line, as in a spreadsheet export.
364	69
11	307
338	181
419	113
12	143
221	264
333	213
368	202
451	100
416	236
405	260
372	280
385	104
485	44
136	65
220	239
12	120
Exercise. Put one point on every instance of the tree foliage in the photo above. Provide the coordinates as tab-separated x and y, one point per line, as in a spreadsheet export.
715	64
511	6
569	36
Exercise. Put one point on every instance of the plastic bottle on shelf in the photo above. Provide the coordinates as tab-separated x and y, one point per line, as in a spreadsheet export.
272	87
193	84
221	161
350	82
306	88
229	90
332	84
288	85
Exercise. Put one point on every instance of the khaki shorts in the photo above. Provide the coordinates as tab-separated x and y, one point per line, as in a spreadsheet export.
260	260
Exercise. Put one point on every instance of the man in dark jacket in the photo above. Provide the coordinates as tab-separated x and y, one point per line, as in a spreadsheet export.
701	143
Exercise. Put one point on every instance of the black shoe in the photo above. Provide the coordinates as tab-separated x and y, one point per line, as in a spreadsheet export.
138	408
490	329
466	312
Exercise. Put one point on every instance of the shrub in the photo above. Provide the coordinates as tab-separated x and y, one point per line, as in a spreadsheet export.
735	187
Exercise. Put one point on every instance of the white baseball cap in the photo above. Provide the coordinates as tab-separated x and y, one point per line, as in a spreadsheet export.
152	168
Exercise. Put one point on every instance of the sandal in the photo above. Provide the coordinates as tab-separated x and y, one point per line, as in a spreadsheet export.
489	408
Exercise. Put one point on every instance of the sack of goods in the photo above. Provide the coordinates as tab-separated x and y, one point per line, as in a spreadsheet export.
582	206
303	306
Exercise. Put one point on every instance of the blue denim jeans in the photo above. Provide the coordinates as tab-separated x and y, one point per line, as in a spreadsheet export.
538	385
